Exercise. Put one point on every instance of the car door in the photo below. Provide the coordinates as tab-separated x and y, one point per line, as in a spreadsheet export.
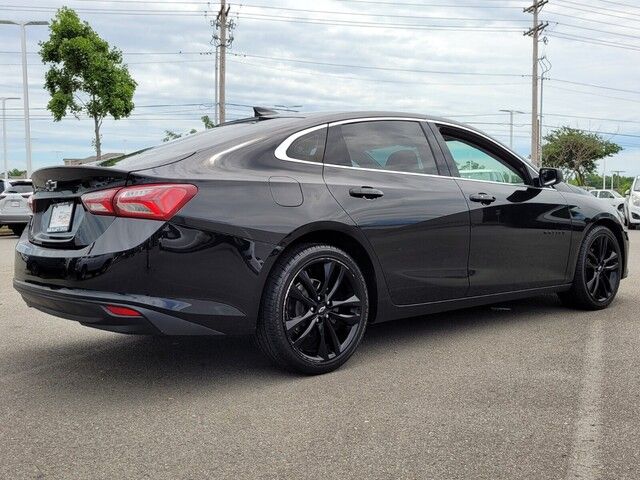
384	174
520	233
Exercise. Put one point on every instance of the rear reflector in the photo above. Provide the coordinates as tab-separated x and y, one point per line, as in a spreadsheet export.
157	201
122	311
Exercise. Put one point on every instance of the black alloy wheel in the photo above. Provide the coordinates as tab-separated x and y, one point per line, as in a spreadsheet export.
314	310
322	310
602	268
598	271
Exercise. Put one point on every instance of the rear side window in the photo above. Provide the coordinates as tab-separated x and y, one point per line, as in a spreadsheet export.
309	147
395	145
22	187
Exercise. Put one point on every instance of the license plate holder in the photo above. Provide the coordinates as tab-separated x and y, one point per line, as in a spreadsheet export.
61	215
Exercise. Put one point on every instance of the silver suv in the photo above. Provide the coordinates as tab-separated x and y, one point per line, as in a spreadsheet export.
14	207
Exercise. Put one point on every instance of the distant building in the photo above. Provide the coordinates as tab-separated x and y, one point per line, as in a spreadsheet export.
82	161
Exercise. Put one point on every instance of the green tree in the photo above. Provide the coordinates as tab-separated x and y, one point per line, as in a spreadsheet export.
208	123
172	135
576	152
85	74
15	173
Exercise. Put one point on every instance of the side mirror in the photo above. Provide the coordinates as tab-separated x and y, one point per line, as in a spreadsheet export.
627	193
549	176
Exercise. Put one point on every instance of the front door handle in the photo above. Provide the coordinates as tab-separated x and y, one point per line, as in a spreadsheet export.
483	198
365	192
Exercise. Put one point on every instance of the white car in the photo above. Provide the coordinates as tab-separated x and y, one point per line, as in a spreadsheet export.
633	204
14	207
614	199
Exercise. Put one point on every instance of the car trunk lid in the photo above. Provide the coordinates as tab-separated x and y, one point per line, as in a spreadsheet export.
59	218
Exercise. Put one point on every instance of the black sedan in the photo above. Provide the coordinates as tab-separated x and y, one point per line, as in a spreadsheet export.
302	230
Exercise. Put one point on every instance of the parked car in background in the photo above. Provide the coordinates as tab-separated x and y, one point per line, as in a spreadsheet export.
633	204
14	206
614	198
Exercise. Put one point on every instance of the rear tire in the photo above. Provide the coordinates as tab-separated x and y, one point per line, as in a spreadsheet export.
314	309
17	229
598	272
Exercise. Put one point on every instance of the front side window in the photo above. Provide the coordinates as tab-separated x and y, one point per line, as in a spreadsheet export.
476	163
605	194
309	147
395	145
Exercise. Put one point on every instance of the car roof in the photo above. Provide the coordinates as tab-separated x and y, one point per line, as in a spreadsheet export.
314	118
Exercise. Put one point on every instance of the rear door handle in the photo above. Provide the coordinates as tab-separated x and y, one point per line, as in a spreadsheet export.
365	192
483	198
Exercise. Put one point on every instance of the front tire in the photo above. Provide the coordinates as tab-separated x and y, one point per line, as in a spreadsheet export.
598	271
17	229
314	310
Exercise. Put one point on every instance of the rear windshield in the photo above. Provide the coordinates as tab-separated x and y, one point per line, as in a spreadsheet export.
19	188
186	146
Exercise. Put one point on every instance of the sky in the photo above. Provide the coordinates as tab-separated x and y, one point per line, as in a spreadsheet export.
462	59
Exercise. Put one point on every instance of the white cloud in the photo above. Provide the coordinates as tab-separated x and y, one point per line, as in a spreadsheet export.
188	79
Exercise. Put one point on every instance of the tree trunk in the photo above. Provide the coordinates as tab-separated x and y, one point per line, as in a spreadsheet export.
96	124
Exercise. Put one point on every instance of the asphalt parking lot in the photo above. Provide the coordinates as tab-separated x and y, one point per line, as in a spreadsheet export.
526	390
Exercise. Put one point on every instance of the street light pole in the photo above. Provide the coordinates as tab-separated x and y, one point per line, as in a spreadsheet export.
25	84
511	112
4	134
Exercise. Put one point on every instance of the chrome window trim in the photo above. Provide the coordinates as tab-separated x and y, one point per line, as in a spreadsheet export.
281	150
382	170
375	119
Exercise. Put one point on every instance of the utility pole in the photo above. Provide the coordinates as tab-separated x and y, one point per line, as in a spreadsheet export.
4	134
534	32
221	39
25	84
511	113
546	66
216	118
617	173
222	21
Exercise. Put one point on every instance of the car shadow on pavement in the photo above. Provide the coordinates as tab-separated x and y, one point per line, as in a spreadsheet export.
113	366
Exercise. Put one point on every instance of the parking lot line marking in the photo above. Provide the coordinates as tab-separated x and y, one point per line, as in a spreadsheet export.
584	462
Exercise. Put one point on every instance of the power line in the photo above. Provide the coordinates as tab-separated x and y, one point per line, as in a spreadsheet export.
595	12
456	5
619	4
593	41
385	15
351	23
597	30
370	67
606	9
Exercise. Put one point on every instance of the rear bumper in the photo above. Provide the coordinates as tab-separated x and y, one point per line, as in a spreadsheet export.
6	218
633	214
160	316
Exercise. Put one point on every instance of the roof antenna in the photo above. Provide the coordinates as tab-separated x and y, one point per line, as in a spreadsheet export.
262	112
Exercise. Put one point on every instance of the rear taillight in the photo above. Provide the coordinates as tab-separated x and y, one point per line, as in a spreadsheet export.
157	202
100	202
31	203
